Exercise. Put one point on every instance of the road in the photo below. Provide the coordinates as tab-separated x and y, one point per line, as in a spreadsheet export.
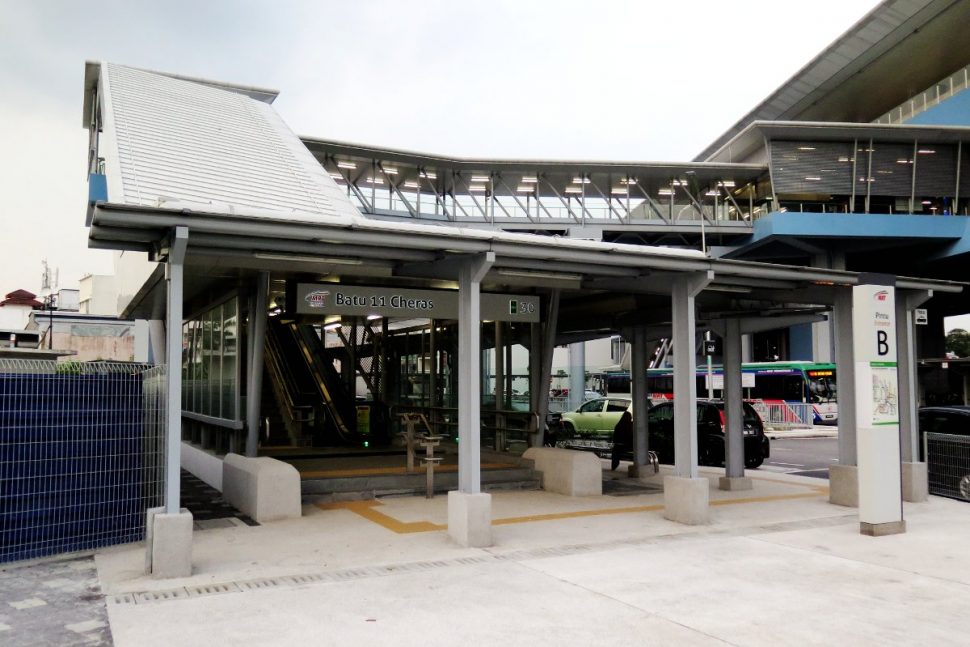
804	456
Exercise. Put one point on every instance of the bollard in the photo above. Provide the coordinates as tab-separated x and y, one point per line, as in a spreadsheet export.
429	460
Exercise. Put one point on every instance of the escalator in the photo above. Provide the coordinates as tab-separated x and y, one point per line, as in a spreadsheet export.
310	379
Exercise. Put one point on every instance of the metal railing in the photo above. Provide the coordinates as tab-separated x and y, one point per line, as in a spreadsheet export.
948	464
785	415
502	430
939	91
82	454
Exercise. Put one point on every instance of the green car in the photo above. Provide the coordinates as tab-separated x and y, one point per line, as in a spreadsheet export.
591	425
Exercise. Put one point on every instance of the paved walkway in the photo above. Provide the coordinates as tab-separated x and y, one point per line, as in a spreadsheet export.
52	604
777	565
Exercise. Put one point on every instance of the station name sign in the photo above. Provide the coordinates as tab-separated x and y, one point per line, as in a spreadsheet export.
362	301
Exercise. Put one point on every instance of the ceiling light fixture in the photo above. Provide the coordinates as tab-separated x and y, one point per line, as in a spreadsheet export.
307	259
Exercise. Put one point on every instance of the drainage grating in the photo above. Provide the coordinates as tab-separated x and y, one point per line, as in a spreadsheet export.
344	575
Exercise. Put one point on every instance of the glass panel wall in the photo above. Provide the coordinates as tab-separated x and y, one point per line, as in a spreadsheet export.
210	369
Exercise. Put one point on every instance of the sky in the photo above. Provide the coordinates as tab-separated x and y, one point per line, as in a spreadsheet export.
551	79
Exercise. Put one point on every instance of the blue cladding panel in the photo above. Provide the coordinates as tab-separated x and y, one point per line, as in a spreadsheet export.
97	188
952	111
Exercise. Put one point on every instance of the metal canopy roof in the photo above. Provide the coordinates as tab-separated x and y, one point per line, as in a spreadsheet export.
895	51
559	174
753	137
362	247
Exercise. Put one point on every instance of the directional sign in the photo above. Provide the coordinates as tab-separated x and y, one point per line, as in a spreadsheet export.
362	301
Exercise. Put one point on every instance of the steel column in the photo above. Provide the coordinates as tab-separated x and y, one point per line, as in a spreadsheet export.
577	374
638	367
173	349
683	292
469	371
544	363
254	385
844	359
906	372
733	409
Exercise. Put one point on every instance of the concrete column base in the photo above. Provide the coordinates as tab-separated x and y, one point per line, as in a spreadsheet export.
735	483
882	529
686	499
916	486
168	543
844	485
470	518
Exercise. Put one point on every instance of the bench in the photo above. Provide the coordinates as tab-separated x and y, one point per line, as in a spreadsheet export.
567	471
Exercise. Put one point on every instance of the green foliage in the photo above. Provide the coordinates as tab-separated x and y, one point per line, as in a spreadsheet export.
69	368
958	342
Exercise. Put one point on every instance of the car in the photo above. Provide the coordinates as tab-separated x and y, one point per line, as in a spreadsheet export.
590	426
710	434
947	475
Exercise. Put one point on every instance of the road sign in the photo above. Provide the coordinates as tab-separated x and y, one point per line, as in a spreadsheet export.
920	318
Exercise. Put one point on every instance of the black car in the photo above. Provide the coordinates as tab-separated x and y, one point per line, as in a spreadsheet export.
947	465
710	434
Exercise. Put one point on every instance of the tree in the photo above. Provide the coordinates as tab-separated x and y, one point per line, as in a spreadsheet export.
958	342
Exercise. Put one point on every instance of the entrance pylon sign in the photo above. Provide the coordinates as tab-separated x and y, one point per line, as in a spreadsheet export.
877	408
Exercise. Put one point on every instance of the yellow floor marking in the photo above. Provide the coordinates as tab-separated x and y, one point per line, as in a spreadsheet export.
572	515
367	509
371	471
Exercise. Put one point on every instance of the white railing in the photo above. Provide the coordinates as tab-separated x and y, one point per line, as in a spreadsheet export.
785	415
928	98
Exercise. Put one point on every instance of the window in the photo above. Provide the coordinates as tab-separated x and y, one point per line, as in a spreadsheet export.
593	406
618	405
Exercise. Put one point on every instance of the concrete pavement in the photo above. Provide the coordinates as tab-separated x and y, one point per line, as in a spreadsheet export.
778	564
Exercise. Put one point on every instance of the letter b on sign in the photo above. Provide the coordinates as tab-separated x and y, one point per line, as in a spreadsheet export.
882	342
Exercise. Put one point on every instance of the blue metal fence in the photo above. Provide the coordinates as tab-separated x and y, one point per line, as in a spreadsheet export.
81	454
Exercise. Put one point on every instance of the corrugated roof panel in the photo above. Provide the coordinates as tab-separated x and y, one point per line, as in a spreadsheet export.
180	140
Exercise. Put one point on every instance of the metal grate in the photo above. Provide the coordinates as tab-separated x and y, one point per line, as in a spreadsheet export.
948	464
81	454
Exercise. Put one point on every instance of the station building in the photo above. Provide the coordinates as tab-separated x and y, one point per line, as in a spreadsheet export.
316	293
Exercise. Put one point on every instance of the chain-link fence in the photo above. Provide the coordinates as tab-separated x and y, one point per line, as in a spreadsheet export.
948	464
82	454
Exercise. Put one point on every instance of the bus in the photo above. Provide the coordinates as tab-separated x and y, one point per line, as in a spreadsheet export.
770	382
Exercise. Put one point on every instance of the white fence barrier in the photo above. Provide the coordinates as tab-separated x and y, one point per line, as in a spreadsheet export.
785	415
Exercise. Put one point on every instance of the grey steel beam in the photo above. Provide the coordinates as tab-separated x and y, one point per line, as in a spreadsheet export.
698	207
471	195
397	191
438	196
652	203
515	197
352	183
174	270
569	209
609	203
370	233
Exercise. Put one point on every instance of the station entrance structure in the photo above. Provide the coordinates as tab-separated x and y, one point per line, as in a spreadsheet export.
253	249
